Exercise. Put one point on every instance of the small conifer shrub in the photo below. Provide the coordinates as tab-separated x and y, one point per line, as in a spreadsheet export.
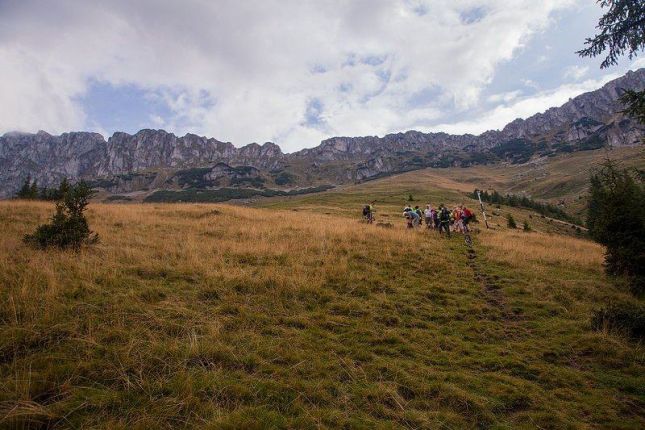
510	221
68	228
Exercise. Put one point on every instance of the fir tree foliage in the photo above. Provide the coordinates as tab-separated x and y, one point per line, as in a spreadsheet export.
621	32
510	221
616	219
634	102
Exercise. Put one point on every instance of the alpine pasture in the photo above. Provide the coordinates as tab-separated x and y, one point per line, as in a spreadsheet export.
220	316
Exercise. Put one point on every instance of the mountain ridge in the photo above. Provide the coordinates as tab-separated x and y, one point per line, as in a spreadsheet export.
588	121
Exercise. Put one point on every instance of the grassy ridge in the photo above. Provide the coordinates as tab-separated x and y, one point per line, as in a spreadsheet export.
211	316
391	195
561	178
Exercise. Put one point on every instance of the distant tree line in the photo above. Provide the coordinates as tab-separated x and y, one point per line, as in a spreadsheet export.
31	191
515	201
192	195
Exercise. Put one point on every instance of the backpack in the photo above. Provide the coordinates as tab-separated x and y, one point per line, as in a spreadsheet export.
467	213
445	215
366	210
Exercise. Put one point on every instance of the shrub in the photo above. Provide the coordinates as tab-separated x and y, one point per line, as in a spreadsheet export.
626	318
284	178
616	219
118	197
510	221
526	226
68	227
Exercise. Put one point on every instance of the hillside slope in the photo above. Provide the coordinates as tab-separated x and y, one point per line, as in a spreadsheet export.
212	316
561	180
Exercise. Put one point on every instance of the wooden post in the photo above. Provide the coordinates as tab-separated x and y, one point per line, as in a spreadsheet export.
481	205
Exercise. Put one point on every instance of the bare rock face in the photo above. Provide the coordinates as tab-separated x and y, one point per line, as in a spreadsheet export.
596	107
157	148
82	155
48	158
589	121
267	156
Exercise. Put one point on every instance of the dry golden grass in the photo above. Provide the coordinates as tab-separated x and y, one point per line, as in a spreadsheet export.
519	248
564	177
214	316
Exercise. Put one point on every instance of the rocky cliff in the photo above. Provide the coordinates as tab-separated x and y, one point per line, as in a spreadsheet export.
48	158
128	162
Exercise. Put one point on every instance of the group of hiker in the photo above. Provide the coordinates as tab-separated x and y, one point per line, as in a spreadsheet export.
442	219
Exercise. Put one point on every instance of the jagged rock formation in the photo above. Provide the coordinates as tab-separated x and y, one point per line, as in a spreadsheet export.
48	158
157	159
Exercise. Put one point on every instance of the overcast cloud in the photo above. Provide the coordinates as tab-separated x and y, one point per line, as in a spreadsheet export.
289	71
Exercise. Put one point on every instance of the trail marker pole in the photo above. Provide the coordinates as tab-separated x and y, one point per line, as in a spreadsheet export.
482	207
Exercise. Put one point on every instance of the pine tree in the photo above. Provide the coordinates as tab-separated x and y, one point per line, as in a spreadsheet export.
33	190
621	33
25	190
635	104
616	219
63	188
511	221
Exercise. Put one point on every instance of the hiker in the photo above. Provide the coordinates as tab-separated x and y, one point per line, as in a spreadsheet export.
428	216
456	215
435	218
444	220
406	214
412	217
466	217
417	210
368	213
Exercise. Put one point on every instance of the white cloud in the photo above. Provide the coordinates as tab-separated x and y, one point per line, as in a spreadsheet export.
33	98
575	72
504	97
245	71
638	63
530	84
522	108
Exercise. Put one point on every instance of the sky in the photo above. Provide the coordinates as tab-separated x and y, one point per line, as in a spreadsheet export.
293	72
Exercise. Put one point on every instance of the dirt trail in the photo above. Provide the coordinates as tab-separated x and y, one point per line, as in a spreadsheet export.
491	288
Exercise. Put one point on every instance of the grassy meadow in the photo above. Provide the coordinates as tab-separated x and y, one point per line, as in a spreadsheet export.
226	317
391	194
563	178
